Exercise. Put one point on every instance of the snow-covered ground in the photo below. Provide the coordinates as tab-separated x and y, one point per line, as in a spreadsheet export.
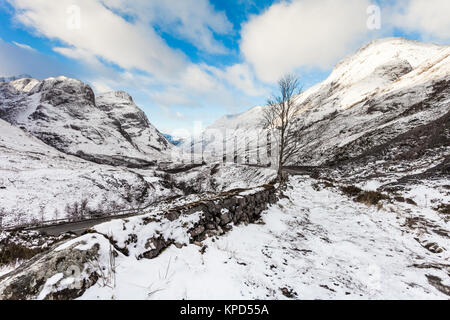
315	244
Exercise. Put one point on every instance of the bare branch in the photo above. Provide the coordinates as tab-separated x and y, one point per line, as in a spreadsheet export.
279	118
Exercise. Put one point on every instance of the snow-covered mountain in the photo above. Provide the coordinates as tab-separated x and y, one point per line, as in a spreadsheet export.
65	114
386	89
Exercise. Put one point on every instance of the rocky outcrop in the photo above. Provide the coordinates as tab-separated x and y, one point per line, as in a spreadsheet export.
393	70
63	273
237	206
23	245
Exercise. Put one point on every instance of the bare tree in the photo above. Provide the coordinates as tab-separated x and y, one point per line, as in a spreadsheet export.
279	118
56	214
42	213
84	210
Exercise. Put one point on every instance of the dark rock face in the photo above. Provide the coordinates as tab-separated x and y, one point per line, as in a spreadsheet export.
393	70
155	246
132	163
28	281
24	245
64	93
65	114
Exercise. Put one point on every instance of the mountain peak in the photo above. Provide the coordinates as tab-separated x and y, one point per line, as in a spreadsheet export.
380	52
395	41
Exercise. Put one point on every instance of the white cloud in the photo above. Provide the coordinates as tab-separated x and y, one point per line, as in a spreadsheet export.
179	115
191	20
23	46
101	33
198	79
171	97
80	55
241	76
303	33
105	79
174	115
431	18
101	87
121	33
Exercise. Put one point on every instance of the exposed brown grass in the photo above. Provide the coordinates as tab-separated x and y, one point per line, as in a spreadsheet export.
444	210
370	198
351	191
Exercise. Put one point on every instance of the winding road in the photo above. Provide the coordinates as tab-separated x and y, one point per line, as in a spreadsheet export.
79	227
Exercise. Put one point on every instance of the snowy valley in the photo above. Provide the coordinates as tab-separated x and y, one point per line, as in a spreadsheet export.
363	212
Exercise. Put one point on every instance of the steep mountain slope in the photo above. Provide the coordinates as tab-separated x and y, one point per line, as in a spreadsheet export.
372	98
133	122
358	115
65	114
38	182
237	138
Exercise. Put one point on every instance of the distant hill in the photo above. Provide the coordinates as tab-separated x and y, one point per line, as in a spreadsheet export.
173	140
13	78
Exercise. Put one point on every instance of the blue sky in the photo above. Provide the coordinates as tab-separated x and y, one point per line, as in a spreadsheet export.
196	60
